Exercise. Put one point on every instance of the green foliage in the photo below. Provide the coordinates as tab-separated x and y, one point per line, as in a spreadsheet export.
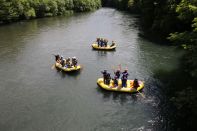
8	11
86	5
30	13
194	25
27	9
69	5
134	6
119	4
186	11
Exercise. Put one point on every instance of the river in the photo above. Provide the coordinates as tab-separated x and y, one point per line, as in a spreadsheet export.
35	97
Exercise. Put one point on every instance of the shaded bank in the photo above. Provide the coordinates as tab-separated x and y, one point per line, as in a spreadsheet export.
180	97
27	9
176	21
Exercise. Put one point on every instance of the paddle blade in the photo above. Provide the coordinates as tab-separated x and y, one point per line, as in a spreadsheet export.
81	67
141	94
53	66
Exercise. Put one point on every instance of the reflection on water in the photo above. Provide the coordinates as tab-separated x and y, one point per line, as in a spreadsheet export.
68	75
35	97
122	97
102	53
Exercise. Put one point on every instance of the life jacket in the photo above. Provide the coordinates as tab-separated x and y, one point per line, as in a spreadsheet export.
58	61
117	73
108	76
57	57
62	62
124	75
115	80
104	74
74	62
134	84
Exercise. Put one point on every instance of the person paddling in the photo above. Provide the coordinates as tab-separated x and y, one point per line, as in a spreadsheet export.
115	80
98	41
113	44
108	79
135	84
104	76
117	73
74	61
101	42
62	61
57	58
124	78
68	63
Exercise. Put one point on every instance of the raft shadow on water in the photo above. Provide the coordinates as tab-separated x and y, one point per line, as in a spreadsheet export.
103	52
122	97
64	74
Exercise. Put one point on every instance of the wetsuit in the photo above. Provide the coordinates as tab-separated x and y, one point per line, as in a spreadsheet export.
74	62
135	84
104	76
115	81
117	74
124	79
108	79
57	57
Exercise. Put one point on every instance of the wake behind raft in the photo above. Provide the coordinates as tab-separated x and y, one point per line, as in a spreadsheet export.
118	88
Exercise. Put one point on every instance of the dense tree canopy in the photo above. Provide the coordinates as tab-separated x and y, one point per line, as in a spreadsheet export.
12	10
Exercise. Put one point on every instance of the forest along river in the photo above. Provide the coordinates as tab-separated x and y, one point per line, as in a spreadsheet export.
34	97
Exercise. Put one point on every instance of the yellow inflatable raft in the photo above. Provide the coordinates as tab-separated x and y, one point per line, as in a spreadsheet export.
59	66
95	46
128	89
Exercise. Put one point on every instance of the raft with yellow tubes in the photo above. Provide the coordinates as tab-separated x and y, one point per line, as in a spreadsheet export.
108	47
128	89
73	68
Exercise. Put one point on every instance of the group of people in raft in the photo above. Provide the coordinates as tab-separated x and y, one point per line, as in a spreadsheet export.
68	63
107	78
103	42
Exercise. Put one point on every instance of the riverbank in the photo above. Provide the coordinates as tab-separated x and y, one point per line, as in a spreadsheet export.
174	21
15	10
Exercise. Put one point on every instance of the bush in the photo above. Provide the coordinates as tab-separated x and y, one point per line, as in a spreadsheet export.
27	9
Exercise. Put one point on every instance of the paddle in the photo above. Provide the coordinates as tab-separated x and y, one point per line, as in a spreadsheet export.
140	93
53	66
114	68
119	67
